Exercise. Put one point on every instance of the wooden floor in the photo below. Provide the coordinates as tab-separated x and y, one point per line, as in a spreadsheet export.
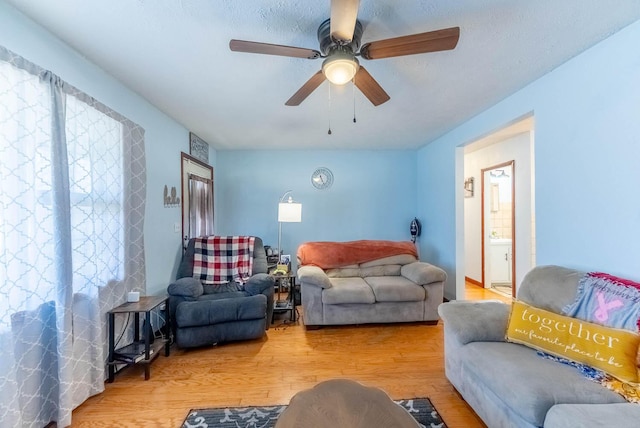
475	292
405	360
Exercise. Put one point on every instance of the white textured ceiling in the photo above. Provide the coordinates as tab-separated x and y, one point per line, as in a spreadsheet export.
176	55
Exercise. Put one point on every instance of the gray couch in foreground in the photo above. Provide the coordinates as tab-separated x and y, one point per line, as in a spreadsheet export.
509	385
387	290
206	314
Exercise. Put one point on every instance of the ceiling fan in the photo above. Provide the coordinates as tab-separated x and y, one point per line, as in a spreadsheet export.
339	39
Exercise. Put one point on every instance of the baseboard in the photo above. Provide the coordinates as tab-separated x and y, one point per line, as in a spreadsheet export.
472	281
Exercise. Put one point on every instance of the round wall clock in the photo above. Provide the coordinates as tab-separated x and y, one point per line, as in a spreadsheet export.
322	178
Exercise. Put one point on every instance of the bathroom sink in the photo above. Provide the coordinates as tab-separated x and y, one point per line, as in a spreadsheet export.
500	240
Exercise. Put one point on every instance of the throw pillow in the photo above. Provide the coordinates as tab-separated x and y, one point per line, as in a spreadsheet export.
608	349
227	287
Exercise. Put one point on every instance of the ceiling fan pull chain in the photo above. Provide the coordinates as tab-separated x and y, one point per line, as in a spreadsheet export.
353	86
329	132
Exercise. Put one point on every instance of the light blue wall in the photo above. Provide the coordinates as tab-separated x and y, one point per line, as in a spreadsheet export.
586	154
435	205
587	146
373	195
164	137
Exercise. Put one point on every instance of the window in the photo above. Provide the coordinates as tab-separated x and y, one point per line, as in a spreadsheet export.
94	147
72	180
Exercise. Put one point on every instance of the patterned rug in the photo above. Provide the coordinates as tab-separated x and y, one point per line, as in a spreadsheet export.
265	417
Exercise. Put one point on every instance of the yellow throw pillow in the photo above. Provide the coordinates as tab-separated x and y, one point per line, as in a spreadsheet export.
611	350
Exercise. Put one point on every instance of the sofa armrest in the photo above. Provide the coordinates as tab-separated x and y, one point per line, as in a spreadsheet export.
313	275
186	287
260	283
423	273
481	321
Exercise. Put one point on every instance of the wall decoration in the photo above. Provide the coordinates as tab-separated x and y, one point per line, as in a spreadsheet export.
322	178
198	148
468	187
171	198
285	259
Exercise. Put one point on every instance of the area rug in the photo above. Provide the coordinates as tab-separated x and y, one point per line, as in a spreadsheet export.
265	417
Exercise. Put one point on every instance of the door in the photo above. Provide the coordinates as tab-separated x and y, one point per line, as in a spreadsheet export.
498	227
195	173
499	257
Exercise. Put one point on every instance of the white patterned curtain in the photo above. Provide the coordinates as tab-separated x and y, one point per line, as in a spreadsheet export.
200	206
72	186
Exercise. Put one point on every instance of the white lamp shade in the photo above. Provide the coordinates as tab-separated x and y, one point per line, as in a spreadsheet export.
340	67
289	212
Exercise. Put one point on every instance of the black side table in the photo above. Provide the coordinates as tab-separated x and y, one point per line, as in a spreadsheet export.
142	350
285	281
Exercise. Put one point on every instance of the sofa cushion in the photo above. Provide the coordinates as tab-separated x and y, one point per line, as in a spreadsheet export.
400	259
224	295
227	287
210	312
611	350
617	415
347	290
380	270
527	383
395	289
549	287
344	272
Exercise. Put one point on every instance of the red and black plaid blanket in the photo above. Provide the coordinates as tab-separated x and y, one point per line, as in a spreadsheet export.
221	259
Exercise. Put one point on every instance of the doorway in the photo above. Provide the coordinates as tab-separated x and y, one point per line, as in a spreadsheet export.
197	198
515	142
498	227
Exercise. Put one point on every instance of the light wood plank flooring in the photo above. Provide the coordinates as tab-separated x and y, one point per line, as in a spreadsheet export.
475	292
405	360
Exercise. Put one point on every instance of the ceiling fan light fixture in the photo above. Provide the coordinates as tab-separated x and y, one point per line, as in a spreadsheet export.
340	67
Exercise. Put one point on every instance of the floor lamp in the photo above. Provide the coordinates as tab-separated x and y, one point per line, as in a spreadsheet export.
288	212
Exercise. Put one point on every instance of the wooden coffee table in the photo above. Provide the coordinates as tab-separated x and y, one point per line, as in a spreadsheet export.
346	404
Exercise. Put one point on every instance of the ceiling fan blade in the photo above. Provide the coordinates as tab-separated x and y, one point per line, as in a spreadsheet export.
431	41
370	88
269	49
306	89
343	19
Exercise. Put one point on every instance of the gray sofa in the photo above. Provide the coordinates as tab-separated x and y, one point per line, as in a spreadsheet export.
509	385
387	290
206	314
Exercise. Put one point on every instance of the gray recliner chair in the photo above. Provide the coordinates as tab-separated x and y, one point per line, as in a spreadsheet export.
204	314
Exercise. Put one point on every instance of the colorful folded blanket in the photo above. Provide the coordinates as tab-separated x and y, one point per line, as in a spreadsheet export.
630	392
329	255
613	302
222	259
607	300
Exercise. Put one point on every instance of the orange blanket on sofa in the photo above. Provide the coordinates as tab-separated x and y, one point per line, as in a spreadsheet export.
328	255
